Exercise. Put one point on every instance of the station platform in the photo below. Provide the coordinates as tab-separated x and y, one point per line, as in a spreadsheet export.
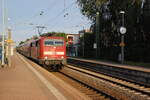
22	81
107	63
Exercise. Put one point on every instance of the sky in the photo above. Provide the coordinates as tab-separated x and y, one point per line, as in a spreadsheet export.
55	15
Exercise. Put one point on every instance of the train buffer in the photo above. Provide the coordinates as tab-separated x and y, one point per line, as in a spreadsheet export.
23	81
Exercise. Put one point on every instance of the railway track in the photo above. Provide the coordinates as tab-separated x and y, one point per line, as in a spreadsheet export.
133	74
102	87
87	90
90	92
112	87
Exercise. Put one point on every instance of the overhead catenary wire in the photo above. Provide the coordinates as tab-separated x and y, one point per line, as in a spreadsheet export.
38	13
56	17
59	14
28	21
69	23
48	9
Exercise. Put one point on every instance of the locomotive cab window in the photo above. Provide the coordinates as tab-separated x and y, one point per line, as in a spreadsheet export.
53	42
59	42
48	42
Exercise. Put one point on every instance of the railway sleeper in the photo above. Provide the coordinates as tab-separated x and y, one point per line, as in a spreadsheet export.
109	69
104	86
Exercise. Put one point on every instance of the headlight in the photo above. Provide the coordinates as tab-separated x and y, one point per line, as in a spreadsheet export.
46	57
60	53
48	53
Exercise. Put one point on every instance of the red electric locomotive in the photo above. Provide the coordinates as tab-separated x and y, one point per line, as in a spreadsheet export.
48	51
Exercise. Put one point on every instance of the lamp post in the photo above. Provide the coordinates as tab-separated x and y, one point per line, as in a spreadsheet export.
9	41
3	33
97	35
122	31
83	41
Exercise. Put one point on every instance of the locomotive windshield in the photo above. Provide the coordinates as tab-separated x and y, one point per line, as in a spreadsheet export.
49	42
54	42
59	42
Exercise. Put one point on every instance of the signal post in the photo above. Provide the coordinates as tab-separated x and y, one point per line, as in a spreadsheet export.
9	42
122	31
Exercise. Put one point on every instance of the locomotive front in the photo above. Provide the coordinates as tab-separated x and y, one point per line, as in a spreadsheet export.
54	51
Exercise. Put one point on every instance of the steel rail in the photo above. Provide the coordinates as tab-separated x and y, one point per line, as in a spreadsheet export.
107	84
129	74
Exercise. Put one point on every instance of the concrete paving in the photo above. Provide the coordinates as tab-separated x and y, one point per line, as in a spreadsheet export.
21	81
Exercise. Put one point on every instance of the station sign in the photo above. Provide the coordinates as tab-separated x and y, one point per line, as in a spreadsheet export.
95	46
122	44
9	41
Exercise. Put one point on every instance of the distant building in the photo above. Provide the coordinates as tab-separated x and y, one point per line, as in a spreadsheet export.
73	41
72	44
73	38
81	33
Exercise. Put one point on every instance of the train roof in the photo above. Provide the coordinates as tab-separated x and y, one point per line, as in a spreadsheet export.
53	37
42	37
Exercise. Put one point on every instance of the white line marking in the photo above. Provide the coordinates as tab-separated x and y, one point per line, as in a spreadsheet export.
55	92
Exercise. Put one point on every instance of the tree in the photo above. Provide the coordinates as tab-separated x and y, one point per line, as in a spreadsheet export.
90	7
110	21
48	34
21	42
86	44
35	37
59	34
